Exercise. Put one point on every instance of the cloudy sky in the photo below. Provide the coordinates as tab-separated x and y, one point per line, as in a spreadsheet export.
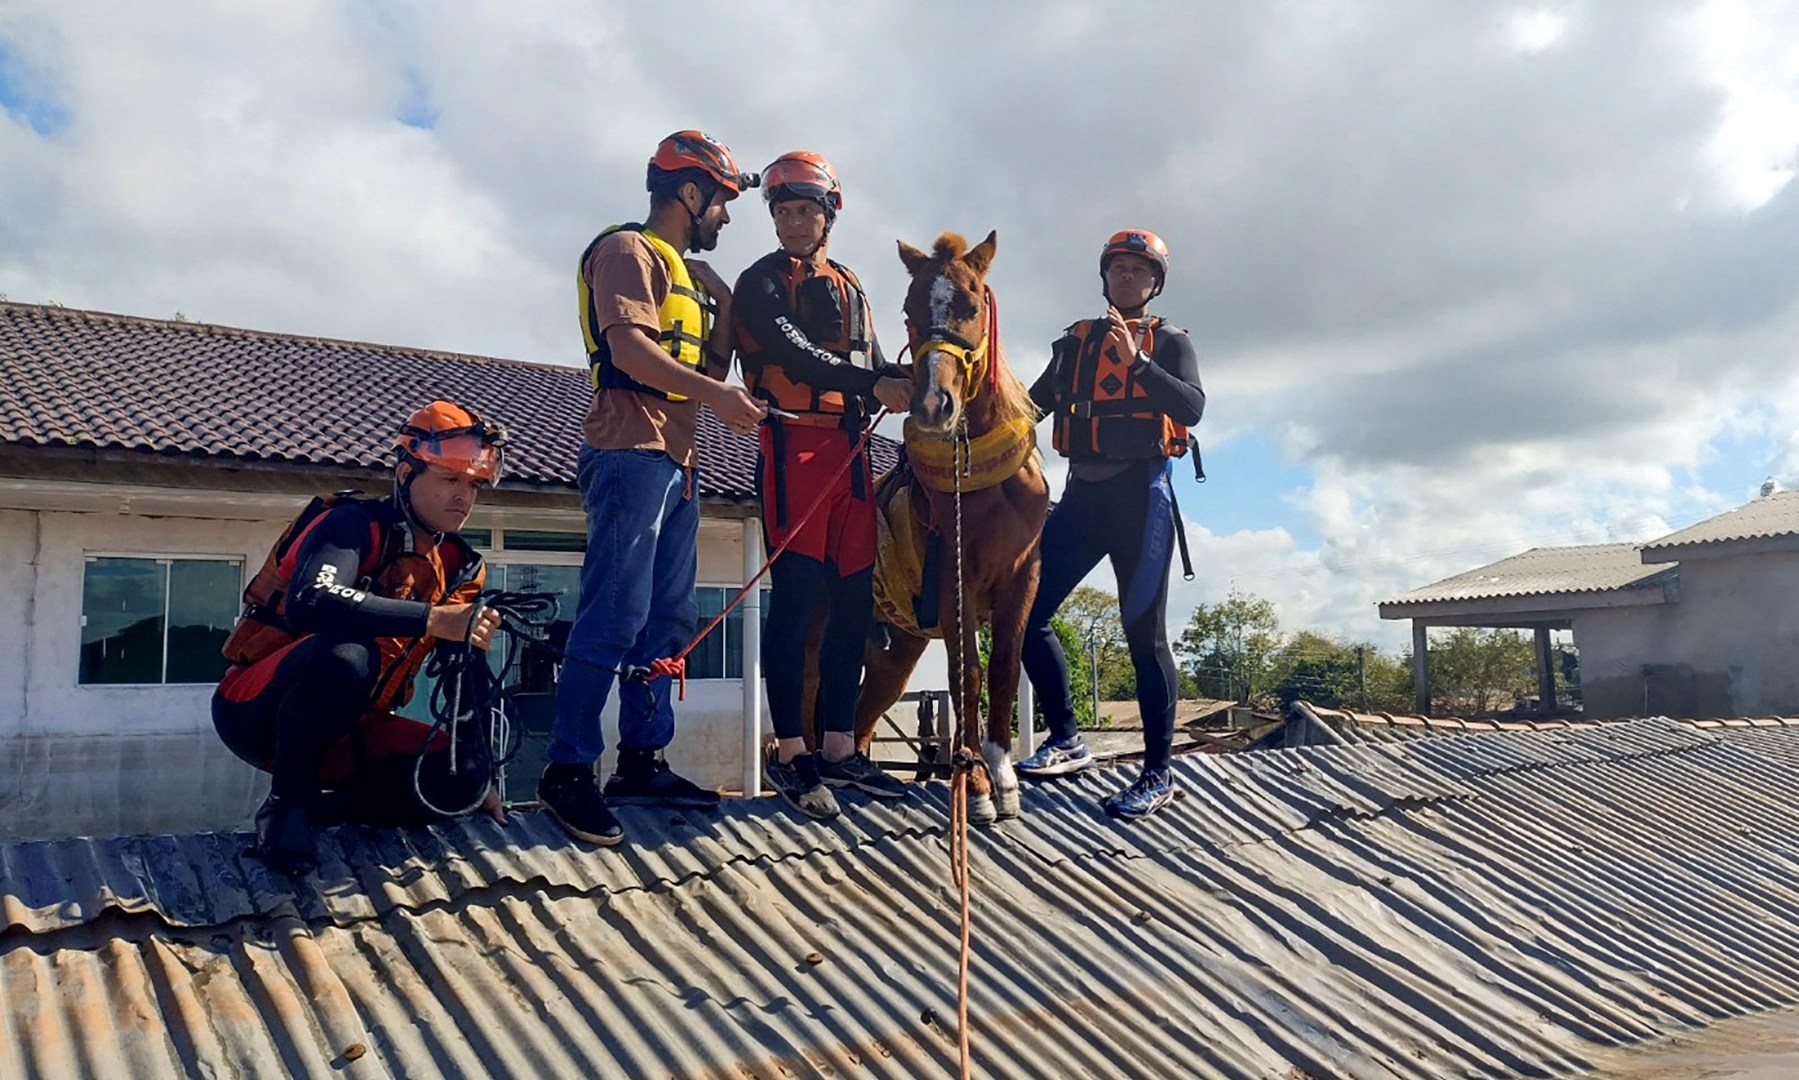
1465	278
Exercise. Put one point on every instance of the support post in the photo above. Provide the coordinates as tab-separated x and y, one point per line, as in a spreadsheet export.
752	661
1027	716
1421	667
1545	673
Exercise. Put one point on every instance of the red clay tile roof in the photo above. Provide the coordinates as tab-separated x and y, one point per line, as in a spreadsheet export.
90	379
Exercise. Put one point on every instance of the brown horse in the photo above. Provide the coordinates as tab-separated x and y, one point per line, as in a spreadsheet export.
971	428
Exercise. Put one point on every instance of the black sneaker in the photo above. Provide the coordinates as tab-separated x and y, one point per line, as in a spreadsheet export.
859	772
644	779
284	837
798	782
572	797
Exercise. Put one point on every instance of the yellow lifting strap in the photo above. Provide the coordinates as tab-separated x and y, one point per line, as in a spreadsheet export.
990	458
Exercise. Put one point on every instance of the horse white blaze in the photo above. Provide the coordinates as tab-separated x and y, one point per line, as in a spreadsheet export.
999	763
943	290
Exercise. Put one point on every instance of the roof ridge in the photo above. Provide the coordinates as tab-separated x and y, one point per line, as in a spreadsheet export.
198	326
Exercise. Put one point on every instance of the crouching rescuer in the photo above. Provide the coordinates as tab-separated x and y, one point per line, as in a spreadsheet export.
338	622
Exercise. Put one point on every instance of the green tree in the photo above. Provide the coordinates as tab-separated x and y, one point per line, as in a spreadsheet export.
1080	685
1093	613
1317	668
1389	682
1340	674
1476	671
1227	647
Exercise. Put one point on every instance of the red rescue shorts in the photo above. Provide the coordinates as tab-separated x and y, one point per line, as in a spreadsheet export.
791	476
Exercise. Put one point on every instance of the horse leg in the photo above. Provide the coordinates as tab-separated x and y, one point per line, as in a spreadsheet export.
885	673
1011	608
965	687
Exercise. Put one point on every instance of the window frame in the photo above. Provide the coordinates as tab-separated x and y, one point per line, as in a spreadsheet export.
165	559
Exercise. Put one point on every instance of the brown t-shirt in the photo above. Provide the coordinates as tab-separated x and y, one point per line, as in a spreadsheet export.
629	283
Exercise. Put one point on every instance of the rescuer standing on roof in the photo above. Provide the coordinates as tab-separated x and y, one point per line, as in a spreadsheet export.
1123	391
656	326
807	343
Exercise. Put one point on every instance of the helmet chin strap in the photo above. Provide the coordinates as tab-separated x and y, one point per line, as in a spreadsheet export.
403	496
693	219
1105	291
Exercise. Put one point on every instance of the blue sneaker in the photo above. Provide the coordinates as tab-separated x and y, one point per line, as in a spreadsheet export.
1058	757
1152	790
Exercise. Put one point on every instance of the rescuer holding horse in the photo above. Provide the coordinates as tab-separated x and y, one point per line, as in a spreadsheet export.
806	340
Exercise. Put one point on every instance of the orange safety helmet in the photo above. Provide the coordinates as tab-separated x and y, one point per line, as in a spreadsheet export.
1139	242
802	174
685	150
451	437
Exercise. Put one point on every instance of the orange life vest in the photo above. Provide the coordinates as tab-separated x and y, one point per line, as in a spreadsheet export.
829	307
1099	405
452	572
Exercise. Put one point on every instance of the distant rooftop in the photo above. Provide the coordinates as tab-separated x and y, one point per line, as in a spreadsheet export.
1770	517
1552	571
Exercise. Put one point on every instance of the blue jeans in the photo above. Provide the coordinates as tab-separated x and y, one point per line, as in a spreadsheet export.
637	602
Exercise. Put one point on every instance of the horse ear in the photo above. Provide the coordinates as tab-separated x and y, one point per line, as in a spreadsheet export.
981	257
912	257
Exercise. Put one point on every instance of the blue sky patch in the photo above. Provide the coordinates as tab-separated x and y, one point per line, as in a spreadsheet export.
416	108
1247	480
25	95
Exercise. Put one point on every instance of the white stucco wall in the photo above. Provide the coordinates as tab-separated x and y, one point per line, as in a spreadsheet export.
104	760
1729	647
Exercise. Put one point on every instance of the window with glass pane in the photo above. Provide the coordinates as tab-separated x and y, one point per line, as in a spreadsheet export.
203	603
709	658
122	620
156	620
720	656
544	540
534	680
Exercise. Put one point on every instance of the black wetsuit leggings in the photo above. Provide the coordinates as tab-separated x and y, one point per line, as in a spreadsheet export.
312	699
1128	519
799	583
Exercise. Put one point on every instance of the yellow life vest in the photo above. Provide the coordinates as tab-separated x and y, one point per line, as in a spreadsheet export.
686	318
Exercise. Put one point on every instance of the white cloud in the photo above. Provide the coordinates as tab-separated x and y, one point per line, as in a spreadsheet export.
1493	280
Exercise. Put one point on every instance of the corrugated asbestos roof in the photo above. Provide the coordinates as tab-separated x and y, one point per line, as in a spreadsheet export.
1545	572
116	382
1388	727
1767	517
1487	905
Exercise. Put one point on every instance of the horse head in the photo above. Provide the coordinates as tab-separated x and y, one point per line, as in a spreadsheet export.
949	325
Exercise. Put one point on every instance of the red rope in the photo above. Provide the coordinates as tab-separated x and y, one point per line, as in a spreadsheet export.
676	666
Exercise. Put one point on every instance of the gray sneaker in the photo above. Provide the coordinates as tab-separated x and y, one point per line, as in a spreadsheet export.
798	782
859	772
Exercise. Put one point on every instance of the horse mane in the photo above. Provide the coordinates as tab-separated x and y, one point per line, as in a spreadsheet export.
1013	398
949	245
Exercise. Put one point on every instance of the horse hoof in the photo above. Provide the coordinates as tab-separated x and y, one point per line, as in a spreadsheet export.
981	811
1007	803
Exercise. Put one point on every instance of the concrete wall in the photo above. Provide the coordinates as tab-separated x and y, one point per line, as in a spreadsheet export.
1727	648
109	760
106	759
